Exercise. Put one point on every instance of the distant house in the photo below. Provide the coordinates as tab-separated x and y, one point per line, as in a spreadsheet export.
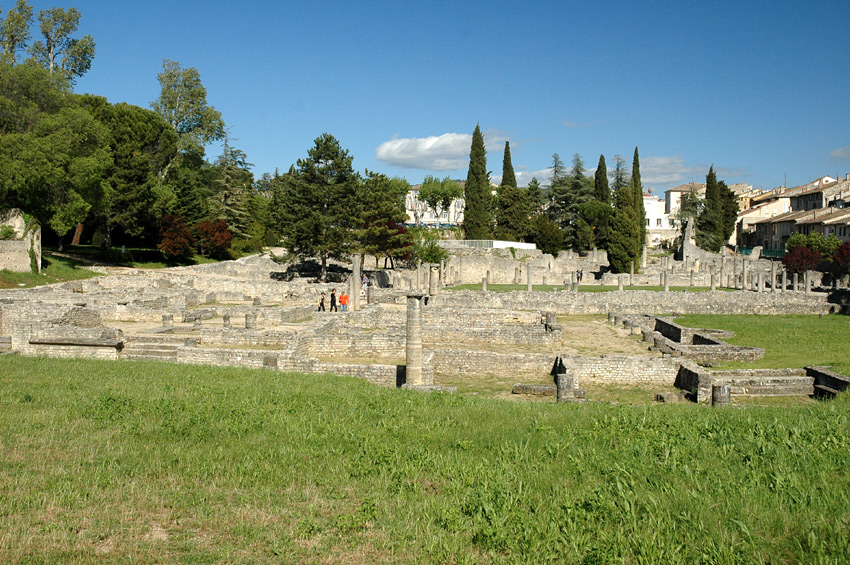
816	207
673	196
660	226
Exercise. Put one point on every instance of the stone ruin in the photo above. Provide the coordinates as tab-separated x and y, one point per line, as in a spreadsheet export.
23	253
244	313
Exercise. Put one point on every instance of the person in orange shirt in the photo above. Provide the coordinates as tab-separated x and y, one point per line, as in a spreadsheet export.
343	301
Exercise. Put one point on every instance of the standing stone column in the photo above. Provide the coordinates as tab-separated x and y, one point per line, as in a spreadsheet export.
354	283
713	283
744	271
773	276
761	282
250	320
692	278
620	282
488	277
661	278
484	284
784	281
721	395
433	280
643	258
808	282
225	319
413	353
516	275
666	283
528	274
795	282
631	273
168	320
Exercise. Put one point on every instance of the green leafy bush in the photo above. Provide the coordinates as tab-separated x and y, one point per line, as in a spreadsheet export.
7	233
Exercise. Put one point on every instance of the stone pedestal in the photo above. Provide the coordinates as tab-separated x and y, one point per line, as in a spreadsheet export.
225	319
721	395
413	354
250	321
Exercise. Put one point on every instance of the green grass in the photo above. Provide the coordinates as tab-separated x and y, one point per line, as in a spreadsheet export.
788	340
582	288
53	270
148	462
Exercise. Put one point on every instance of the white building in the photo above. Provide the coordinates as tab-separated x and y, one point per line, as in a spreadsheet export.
660	225
418	213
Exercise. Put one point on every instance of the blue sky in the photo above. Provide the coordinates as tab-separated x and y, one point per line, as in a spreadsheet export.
759	89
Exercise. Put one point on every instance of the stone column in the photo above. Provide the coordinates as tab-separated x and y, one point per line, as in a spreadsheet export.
795	282
761	282
528	275
484	284
168	320
808	282
620	282
413	354
631	273
773	276
713	283
692	278
433	280
516	275
744	271
250	320
354	284
566	391
643	258
225	319
488	277
784	281
661	278
666	283
443	274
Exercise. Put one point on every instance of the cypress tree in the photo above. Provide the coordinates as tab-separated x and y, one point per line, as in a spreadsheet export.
508	177
640	211
535	196
601	190
477	214
709	234
624	237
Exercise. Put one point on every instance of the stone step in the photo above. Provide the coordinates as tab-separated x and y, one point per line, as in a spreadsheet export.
823	391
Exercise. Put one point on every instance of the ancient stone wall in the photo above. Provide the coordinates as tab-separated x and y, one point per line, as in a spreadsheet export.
642	301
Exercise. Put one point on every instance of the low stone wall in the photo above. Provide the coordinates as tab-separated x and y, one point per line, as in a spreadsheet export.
622	369
643	302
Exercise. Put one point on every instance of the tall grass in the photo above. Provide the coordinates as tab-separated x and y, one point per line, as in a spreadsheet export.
54	269
123	461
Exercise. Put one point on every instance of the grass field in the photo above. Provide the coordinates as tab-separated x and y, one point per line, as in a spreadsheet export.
53	270
148	462
788	341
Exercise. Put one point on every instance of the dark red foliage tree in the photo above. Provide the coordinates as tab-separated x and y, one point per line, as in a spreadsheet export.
213	237
175	238
801	259
842	257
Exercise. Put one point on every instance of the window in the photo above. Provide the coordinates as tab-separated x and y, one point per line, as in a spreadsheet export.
658	222
647	222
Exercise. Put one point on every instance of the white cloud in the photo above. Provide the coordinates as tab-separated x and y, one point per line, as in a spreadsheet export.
446	152
842	154
661	172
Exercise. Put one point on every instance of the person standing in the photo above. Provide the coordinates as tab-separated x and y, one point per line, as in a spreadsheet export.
343	301
322	303
333	300
365	283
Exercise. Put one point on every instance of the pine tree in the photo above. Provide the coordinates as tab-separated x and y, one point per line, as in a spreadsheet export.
600	188
535	196
318	203
477	212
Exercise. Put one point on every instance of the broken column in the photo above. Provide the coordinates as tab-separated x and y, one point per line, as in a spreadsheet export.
413	353
433	280
225	319
721	395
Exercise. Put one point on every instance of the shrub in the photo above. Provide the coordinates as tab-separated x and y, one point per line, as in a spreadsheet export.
801	259
842	257
7	233
547	235
213	237
176	239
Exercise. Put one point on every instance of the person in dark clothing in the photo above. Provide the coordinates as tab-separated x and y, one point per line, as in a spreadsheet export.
322	303
333	301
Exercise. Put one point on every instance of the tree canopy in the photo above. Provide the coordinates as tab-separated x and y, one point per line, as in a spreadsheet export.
477	218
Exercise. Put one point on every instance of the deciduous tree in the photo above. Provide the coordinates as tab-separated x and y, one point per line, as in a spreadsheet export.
15	31
438	194
57	51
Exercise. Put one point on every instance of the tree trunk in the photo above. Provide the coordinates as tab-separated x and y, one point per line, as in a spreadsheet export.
78	233
324	274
